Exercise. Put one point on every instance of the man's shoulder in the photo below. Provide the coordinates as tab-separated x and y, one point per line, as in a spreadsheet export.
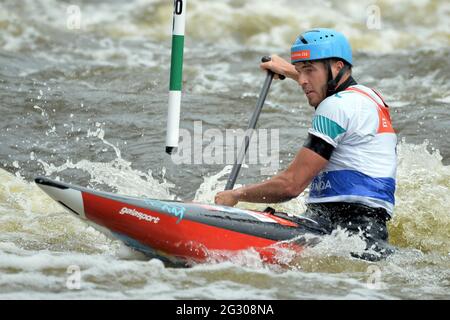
347	101
348	94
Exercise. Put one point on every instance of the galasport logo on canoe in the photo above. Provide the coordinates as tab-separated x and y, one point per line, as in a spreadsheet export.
139	215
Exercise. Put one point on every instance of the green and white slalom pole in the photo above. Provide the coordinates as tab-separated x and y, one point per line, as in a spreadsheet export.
176	74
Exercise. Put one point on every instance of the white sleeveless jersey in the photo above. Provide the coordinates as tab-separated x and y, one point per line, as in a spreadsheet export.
363	165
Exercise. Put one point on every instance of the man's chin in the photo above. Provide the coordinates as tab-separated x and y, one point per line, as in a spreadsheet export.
313	103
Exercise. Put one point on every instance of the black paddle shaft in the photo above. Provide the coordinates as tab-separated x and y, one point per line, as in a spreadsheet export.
251	126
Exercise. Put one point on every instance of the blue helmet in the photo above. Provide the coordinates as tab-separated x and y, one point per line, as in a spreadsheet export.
321	43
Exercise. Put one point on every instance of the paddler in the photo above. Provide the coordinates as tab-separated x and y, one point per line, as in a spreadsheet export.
349	157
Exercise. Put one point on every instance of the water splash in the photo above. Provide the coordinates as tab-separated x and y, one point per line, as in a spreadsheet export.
421	218
117	173
211	185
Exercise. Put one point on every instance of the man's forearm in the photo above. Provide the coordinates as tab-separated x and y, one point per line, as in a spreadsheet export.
284	186
274	190
290	72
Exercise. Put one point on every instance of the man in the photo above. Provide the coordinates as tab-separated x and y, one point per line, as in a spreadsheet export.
349	157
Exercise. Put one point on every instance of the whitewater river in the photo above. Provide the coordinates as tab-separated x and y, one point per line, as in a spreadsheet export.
86	103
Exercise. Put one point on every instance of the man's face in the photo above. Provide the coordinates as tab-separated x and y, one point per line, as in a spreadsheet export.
312	77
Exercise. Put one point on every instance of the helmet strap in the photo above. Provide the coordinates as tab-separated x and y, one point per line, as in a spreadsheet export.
332	83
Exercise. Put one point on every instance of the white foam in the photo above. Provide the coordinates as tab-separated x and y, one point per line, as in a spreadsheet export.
118	173
405	24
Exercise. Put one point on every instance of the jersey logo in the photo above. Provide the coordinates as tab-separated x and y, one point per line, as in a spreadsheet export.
320	185
327	126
